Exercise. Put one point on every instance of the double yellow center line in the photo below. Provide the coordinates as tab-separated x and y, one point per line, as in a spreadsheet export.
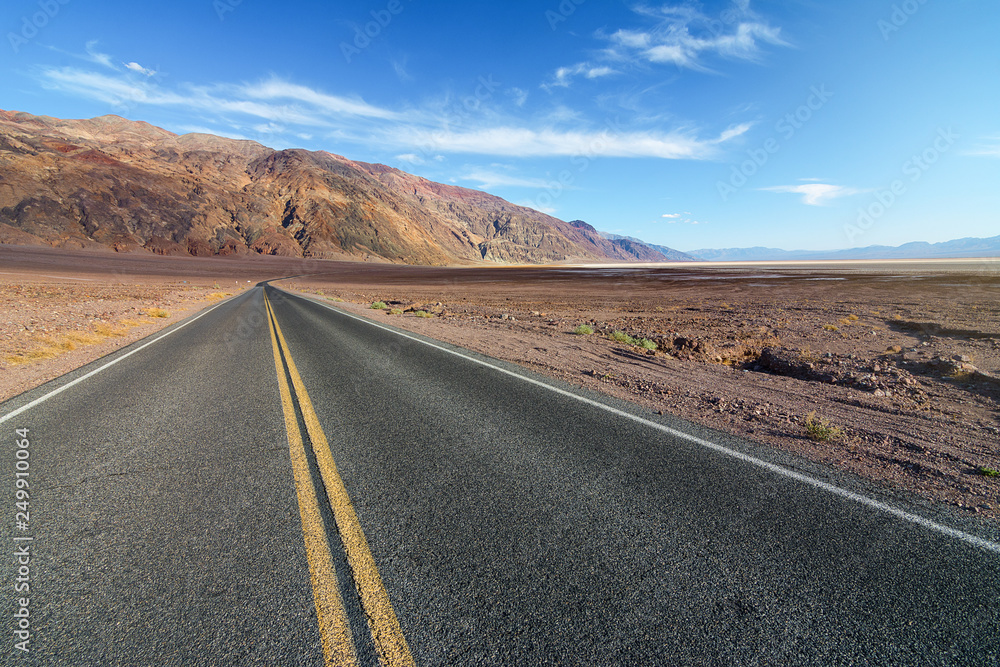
334	627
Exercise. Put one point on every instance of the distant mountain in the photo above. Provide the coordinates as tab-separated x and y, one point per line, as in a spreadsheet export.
129	186
755	254
674	255
649	251
966	247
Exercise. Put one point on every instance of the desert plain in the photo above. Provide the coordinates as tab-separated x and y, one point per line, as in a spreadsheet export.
885	371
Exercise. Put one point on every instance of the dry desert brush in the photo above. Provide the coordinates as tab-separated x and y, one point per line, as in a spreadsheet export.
820	430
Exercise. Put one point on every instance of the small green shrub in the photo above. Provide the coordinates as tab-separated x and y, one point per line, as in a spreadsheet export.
379	305
622	337
820	429
987	472
396	311
644	343
583	330
423	313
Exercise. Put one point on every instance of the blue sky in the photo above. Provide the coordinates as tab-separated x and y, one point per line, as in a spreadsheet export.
791	123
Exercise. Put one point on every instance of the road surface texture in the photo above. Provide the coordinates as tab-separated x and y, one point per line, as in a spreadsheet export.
275	482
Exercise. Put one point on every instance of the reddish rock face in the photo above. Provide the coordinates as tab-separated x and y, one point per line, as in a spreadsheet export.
130	186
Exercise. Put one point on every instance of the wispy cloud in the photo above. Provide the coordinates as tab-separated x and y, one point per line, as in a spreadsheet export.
681	219
519	96
547	210
734	131
816	194
272	100
94	56
90	55
411	158
989	147
682	36
565	75
399	66
550	142
275	107
487	179
275	89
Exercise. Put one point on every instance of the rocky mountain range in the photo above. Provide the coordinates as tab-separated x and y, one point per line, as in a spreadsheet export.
112	183
630	241
959	248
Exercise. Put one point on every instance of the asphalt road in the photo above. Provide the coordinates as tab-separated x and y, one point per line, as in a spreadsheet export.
494	519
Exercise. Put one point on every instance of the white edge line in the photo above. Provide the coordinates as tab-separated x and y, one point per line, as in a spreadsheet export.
54	392
746	458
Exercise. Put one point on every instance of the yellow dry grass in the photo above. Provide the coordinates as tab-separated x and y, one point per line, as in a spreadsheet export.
105	330
51	346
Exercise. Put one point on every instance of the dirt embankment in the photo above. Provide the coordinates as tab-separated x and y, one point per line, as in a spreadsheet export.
893	378
48	329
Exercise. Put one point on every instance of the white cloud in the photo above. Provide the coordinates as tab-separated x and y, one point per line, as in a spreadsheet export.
487	179
735	131
520	96
109	89
990	147
96	57
816	194
274	106
269	128
565	75
562	115
277	89
411	158
669	53
272	100
632	39
90	55
547	210
526	142
679	219
136	67
683	37
399	66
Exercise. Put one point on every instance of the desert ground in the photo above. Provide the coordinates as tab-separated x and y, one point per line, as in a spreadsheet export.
889	371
